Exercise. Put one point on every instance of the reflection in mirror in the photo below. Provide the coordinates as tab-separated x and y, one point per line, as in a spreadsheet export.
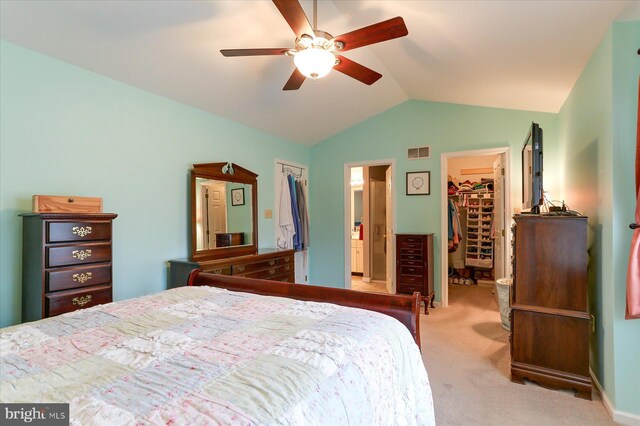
223	212
357	208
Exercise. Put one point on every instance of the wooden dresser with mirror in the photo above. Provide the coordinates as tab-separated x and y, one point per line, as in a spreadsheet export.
224	228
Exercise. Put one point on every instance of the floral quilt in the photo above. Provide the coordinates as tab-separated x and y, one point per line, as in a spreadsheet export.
202	355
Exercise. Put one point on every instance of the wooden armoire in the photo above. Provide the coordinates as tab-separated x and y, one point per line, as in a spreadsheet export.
550	322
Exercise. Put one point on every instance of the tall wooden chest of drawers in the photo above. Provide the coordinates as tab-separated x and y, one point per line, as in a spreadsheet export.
66	263
550	322
414	266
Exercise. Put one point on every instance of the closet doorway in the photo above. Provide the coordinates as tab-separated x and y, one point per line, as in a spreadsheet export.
369	226
475	217
300	174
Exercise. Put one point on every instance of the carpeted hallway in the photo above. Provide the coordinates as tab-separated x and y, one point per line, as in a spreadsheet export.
467	357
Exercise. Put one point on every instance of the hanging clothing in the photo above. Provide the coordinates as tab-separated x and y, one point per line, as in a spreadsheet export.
297	243
306	231
303	214
633	272
455	230
286	228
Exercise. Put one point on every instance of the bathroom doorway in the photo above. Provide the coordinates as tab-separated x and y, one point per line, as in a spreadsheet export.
475	206
369	240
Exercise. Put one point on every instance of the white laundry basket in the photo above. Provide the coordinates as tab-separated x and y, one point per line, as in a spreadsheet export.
503	288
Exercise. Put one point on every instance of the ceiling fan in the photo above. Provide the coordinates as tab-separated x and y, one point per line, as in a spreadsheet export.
316	52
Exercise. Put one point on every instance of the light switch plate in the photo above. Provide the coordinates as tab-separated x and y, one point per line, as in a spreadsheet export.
268	214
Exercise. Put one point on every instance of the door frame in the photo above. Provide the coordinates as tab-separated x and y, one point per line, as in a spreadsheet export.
444	226
347	212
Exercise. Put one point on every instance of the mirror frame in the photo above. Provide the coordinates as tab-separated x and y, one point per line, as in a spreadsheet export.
241	175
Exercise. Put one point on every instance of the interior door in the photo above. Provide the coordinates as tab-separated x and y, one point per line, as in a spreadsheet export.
391	285
498	217
378	230
216	213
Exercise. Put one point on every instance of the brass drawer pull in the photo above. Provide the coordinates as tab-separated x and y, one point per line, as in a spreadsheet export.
81	254
81	231
82	300
82	277
217	271
285	259
272	262
240	268
272	271
287	267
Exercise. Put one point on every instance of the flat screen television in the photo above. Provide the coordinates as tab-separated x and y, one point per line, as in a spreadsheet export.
532	192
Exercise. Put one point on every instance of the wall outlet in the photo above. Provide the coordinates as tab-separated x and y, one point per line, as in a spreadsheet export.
268	214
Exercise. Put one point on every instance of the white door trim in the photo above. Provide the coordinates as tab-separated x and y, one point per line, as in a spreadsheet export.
444	227
347	211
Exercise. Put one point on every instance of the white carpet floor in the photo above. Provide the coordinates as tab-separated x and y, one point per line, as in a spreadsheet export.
466	353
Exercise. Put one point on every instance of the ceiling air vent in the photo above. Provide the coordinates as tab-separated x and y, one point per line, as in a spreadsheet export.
420	152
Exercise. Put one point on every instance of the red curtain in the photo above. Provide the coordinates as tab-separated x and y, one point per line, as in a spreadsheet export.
633	273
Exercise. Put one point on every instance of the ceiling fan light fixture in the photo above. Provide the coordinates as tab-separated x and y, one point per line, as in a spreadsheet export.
314	62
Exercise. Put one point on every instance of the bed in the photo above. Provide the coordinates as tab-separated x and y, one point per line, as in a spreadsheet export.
226	350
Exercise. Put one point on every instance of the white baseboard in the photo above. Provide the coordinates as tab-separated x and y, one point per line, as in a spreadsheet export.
366	279
617	416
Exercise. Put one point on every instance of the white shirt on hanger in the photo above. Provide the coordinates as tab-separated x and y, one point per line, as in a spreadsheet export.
286	229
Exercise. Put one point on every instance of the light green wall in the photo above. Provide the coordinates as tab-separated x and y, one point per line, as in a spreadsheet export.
597	132
444	127
239	217
585	136
626	71
69	131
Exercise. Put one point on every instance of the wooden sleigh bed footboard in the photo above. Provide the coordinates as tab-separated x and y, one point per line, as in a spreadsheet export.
404	308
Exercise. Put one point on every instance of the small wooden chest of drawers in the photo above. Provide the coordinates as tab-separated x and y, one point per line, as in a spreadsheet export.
229	239
414	266
66	263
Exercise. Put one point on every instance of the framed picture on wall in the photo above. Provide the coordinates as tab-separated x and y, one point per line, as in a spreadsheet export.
237	197
418	183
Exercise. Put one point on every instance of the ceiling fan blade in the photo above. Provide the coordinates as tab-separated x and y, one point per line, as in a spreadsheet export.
357	71
295	17
295	81
376	33
254	52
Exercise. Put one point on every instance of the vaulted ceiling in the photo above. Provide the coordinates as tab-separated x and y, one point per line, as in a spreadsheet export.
507	54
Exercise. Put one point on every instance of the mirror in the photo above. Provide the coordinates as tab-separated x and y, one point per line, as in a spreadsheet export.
223	211
358	211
